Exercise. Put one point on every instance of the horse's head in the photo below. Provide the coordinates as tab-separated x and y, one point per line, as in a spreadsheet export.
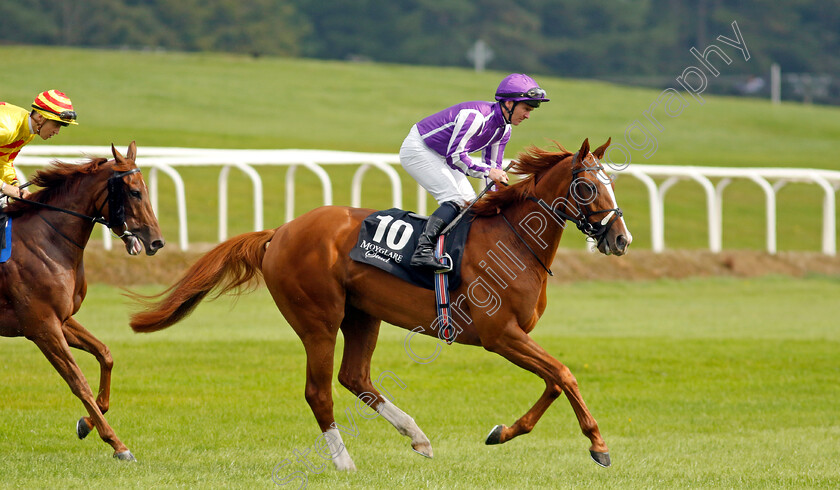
570	188
591	202
129	210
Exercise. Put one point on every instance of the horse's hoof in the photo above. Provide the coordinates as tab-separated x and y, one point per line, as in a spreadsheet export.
344	463
423	449
603	459
82	429
495	435
125	456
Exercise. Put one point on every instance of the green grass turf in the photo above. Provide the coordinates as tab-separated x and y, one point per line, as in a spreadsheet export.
230	101
702	383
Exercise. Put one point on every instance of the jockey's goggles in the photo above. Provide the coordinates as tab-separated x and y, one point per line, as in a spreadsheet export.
535	93
64	116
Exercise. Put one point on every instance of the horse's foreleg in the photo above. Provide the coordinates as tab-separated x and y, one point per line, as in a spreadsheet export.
57	351
406	426
80	338
360	335
518	347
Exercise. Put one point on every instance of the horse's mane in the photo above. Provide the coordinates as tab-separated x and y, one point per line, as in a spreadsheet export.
56	181
533	162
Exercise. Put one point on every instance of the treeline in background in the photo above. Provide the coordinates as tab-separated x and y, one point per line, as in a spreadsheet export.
640	42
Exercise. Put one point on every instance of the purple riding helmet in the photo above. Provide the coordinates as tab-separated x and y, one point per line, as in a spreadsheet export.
519	87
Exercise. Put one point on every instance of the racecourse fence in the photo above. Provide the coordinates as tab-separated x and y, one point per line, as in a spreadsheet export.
167	160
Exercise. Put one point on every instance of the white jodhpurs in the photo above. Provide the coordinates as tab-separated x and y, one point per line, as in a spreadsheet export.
430	170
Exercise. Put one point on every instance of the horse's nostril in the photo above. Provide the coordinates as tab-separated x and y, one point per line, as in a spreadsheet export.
158	244
621	242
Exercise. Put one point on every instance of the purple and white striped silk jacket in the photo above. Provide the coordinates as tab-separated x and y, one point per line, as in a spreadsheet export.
465	128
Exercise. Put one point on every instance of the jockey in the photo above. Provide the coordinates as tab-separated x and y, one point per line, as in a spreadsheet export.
51	111
436	153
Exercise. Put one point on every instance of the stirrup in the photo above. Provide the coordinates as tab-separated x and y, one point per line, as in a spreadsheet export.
446	262
443	258
433	265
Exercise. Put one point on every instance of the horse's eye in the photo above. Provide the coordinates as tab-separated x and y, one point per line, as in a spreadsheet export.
135	194
583	191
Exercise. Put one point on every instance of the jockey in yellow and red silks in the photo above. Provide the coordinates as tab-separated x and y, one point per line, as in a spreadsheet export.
51	111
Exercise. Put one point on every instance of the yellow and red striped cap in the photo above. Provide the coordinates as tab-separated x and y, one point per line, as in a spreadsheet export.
54	105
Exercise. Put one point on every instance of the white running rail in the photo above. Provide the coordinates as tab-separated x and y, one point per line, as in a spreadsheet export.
166	160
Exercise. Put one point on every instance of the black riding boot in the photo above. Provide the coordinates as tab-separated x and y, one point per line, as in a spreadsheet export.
424	254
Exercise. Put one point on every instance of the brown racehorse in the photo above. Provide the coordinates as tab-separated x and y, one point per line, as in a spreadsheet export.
320	290
43	284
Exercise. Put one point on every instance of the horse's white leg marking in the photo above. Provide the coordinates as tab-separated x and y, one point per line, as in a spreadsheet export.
406	426
340	457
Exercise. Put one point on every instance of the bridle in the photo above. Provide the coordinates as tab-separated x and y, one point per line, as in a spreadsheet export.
597	231
116	203
116	208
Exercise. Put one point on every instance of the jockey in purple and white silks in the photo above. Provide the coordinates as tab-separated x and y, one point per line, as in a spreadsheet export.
437	150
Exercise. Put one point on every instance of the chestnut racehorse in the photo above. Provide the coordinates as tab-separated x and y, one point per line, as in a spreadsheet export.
43	284
319	289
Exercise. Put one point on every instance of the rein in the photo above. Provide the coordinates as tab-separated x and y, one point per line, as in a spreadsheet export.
100	220
60	233
526	245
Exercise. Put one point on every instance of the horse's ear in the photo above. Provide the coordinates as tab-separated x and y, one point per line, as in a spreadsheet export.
584	150
132	151
117	155
599	152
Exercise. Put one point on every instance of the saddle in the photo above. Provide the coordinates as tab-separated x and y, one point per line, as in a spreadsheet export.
388	239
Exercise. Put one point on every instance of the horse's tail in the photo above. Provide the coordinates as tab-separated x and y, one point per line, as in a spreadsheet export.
229	266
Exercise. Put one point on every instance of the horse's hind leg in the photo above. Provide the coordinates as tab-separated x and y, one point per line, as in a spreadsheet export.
314	326
80	338
320	350
360	333
503	433
57	351
312	301
516	346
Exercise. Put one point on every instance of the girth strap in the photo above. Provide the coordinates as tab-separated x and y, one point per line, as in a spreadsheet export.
442	293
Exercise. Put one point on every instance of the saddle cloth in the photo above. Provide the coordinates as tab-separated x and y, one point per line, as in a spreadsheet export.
388	239
5	237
